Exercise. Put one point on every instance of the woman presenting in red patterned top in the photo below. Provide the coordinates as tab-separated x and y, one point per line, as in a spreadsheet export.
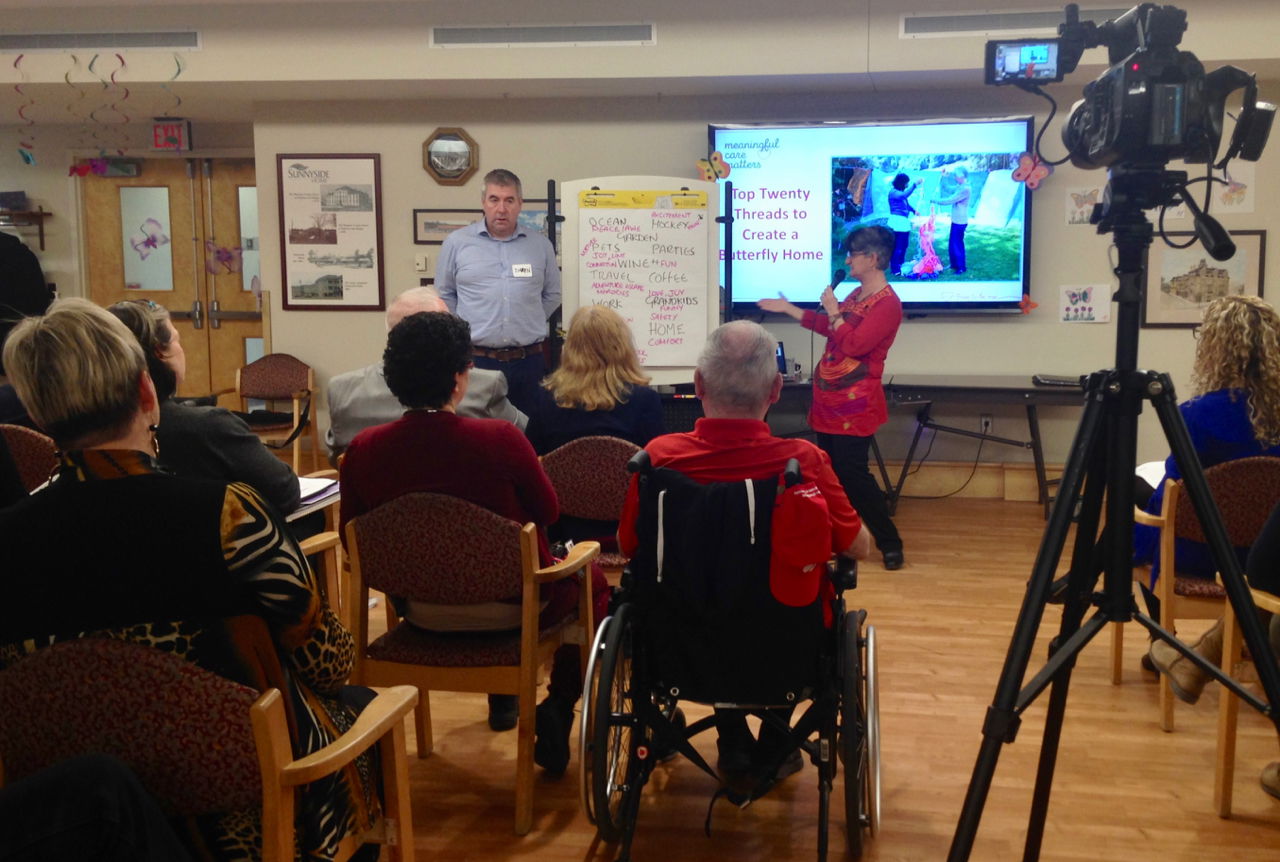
848	395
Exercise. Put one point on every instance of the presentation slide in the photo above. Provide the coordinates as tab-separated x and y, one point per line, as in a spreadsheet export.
799	191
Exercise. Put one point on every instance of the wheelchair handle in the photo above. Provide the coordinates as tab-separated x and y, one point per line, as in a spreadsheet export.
791	475
639	463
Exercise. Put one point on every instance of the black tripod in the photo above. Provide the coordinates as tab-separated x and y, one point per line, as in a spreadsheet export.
1102	458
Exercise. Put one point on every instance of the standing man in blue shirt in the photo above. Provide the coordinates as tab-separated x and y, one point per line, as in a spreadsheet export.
503	280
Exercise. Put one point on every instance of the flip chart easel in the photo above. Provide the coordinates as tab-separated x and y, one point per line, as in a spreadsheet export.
647	247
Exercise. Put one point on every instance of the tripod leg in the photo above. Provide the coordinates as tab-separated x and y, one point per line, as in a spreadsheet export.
1224	556
1001	722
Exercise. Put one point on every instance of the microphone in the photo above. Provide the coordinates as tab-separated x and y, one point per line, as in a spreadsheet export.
837	278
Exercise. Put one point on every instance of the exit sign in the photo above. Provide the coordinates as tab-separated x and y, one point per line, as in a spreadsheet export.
170	133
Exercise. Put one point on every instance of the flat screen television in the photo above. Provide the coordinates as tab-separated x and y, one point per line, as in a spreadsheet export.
800	190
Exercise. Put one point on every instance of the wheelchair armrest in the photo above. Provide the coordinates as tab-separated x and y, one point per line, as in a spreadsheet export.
843	572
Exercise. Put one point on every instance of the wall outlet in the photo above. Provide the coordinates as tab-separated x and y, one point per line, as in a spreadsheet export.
984	422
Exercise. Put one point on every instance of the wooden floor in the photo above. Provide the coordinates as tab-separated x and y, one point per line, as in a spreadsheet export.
1124	789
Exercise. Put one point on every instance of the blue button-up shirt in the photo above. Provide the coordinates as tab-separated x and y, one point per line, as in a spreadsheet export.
505	288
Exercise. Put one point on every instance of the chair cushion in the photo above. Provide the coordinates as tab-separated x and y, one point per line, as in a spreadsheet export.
184	731
408	644
1198	588
613	561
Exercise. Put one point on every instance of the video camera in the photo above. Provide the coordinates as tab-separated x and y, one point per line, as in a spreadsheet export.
1154	104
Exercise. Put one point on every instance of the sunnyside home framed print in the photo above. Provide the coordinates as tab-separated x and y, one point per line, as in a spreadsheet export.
331	232
1182	281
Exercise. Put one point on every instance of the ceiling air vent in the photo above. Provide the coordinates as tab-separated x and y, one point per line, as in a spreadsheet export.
13	43
933	25
566	35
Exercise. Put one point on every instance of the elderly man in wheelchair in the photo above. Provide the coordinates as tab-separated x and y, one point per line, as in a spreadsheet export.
729	601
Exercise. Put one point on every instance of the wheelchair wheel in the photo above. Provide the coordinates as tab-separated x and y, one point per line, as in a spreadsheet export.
872	674
859	731
609	764
589	693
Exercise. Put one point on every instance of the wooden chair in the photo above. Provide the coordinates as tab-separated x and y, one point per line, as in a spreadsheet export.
281	377
326	546
1246	490
34	454
590	477
436	548
199	742
1229	704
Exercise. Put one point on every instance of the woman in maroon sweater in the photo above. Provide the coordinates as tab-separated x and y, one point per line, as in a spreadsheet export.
483	461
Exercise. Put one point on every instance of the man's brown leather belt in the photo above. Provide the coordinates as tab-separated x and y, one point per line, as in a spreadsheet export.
507	354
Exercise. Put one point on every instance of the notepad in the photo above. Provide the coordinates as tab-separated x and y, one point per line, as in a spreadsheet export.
314	490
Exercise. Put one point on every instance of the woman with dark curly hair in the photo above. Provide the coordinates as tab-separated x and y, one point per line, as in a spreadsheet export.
487	462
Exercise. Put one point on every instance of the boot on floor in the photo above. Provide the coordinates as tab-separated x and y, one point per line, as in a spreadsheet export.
1185	679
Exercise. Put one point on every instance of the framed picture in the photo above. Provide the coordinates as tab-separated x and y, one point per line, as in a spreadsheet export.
430	227
1182	281
450	156
331	232
533	217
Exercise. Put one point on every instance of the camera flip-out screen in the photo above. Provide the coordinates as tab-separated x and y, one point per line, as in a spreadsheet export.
1034	60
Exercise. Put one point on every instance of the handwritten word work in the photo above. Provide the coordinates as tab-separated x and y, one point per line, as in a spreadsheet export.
644	254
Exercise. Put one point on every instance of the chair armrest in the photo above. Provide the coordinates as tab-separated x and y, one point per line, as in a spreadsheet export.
580	555
1146	518
319	542
388	707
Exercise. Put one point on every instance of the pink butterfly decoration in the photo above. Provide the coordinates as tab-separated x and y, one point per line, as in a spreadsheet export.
150	237
1031	170
219	258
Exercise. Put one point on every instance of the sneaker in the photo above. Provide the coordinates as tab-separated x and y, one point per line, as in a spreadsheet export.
504	711
1271	779
553	722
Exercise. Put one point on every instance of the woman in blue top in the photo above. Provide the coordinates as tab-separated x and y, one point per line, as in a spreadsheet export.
1235	414
598	389
900	212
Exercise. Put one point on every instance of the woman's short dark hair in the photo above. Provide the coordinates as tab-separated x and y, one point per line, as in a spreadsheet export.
150	324
900	181
425	353
875	239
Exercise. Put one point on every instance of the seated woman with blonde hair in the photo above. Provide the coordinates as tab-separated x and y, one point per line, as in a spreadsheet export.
598	388
202	569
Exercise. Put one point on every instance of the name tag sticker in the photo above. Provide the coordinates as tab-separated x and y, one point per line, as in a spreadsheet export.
522	270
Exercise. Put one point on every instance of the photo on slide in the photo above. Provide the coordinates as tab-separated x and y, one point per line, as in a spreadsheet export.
955	217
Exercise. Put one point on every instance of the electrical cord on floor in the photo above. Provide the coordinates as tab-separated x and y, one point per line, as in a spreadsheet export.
972	472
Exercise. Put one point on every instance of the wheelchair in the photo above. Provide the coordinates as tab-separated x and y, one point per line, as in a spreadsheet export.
695	619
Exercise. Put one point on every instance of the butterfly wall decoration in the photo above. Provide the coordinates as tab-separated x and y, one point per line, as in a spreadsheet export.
714	167
97	167
220	258
1026	305
1087	199
1031	170
150	237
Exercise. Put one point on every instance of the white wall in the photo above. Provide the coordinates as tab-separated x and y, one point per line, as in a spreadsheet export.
565	139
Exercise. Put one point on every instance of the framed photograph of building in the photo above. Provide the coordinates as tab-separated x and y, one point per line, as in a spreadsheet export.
331	232
1182	281
430	227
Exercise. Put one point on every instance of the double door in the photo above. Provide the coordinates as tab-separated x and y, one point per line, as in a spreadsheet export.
184	234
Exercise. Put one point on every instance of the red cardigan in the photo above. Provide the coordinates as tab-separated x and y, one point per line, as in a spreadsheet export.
483	461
